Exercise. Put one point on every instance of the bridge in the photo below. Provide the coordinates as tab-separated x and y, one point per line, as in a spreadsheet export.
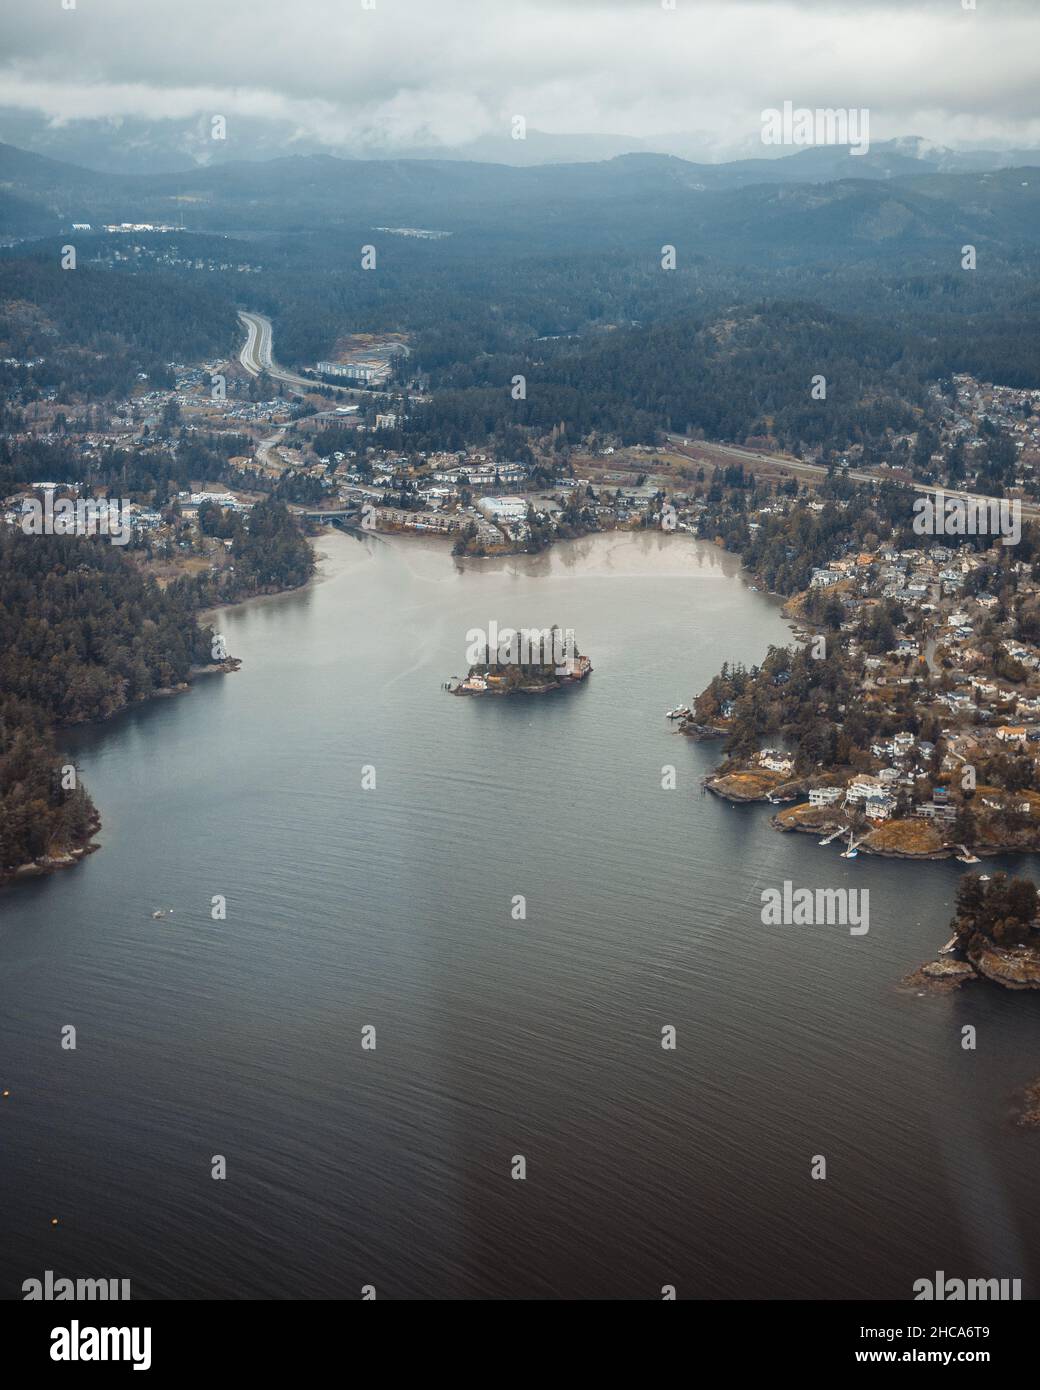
346	518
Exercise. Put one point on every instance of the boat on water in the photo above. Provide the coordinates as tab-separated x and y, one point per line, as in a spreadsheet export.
949	948
853	850
984	878
680	712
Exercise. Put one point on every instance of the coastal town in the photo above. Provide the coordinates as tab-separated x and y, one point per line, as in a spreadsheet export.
925	687
661	383
928	641
221	431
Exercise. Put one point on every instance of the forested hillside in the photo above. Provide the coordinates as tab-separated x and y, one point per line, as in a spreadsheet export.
95	328
83	633
556	275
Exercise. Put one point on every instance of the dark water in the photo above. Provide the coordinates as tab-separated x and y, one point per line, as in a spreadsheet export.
495	1037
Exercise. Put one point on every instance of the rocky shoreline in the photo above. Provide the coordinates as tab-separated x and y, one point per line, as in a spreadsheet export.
1029	1115
1011	968
864	845
506	680
516	690
52	863
746	788
701	733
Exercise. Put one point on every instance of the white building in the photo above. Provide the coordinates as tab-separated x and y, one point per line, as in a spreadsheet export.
503	508
825	796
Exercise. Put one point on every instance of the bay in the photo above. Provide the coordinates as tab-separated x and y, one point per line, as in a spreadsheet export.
496	1037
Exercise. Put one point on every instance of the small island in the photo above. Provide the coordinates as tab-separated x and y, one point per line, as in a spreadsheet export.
523	662
996	936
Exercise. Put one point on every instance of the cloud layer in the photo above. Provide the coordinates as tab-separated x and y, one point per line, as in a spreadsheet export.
416	72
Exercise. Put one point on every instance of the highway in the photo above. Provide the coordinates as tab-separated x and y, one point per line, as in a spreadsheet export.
818	470
257	356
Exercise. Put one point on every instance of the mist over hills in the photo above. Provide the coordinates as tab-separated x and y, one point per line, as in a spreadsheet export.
820	204
138	145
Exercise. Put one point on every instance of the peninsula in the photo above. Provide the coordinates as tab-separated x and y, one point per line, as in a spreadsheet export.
908	715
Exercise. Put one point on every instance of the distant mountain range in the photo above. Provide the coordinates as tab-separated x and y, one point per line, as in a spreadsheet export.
130	145
819	204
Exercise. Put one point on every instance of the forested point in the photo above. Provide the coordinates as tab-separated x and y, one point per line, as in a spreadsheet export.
84	632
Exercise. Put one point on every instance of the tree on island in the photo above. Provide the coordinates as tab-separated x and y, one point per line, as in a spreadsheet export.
1000	913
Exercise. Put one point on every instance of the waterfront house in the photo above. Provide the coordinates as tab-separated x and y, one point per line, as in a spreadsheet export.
774	761
879	806
824	579
863	786
825	796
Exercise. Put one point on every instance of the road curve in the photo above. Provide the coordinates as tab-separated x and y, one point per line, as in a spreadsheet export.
257	356
258	332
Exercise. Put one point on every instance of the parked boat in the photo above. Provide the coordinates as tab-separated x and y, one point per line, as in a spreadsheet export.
853	850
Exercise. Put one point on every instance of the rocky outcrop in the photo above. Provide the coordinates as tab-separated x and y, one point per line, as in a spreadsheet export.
1029	1117
941	976
1015	967
701	733
59	859
742	786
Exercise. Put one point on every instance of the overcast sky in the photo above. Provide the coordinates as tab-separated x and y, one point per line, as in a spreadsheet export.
447	71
